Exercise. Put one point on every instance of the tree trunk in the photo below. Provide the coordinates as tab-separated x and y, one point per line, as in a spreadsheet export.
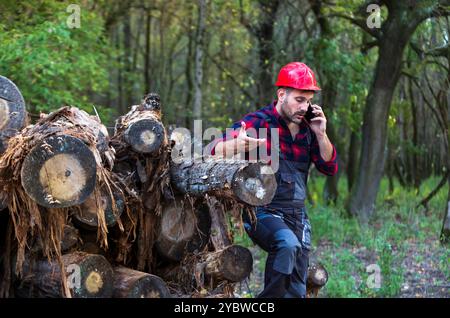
403	19
330	193
88	276
147	57
198	79
234	263
264	35
251	183
13	115
129	283
127	60
444	104
353	160
372	158
183	229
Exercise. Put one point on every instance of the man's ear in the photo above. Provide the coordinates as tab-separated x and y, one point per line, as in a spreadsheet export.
281	94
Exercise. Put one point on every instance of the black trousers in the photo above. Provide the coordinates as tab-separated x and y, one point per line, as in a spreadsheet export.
286	236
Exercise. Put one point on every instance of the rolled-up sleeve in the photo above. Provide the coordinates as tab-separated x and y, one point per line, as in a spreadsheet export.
329	168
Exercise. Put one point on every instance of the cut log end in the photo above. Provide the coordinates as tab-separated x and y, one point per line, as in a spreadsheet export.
59	172
317	275
255	184
12	107
317	278
4	113
130	283
182	229
87	276
145	136
234	263
96	280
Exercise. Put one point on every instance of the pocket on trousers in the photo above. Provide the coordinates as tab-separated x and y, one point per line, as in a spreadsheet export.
306	235
286	187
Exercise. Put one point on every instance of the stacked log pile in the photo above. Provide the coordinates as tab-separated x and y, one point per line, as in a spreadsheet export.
83	214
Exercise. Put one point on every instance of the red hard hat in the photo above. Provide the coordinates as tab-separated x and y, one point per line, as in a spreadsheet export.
297	75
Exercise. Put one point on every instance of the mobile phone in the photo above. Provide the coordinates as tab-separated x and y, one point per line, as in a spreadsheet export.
309	113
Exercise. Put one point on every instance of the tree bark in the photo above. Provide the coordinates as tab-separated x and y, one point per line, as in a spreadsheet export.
70	239
198	79
402	21
220	234
353	160
329	99
251	183
88	276
444	104
3	200
99	203
147	58
263	32
129	283
127	60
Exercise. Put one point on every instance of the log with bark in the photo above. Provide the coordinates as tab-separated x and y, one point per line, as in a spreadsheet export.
70	239
48	167
220	234
209	270
233	263
3	200
129	283
111	207
141	128
87	276
250	183
184	228
13	115
317	278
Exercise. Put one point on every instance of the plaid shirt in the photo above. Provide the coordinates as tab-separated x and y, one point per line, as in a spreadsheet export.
291	149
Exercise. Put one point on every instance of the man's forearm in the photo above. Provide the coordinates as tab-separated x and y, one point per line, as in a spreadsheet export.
325	146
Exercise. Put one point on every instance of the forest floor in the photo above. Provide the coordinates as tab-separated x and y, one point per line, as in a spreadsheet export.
400	243
421	268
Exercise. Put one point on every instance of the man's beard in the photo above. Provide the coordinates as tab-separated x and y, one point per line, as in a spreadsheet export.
291	117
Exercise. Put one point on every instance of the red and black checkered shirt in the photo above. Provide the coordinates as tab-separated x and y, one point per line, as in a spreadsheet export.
290	148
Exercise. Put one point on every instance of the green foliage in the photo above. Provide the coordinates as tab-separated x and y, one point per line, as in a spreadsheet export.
52	64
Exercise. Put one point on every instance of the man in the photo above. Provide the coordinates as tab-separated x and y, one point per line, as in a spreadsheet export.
282	227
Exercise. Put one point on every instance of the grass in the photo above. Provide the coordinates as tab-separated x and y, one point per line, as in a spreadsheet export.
353	253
